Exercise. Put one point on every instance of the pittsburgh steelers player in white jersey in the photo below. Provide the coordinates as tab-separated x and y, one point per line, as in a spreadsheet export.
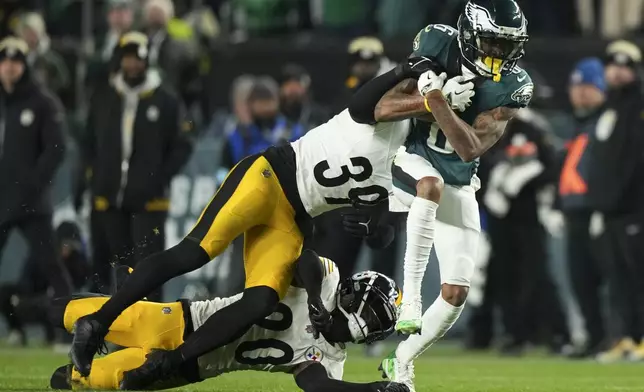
270	198
363	310
434	173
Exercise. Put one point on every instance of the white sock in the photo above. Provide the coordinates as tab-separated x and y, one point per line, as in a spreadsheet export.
437	320
420	238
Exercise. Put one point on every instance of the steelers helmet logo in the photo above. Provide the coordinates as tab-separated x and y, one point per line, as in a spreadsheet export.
314	354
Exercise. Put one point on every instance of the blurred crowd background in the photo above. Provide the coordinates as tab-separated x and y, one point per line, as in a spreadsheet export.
198	85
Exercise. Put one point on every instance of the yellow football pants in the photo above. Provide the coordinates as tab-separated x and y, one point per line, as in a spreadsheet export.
251	201
141	327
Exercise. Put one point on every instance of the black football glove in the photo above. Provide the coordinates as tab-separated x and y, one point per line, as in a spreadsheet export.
159	366
359	223
413	67
321	319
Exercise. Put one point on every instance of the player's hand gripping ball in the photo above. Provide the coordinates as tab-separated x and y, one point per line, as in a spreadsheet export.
459	92
429	81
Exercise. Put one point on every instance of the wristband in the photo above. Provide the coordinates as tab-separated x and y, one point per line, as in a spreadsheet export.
427	106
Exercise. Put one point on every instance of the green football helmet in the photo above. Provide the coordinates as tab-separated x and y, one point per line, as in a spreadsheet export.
492	35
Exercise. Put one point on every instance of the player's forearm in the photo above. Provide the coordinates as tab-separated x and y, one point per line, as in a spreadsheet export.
309	273
363	103
460	135
314	378
399	106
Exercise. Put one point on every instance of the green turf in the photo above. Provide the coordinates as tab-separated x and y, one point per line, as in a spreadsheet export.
441	369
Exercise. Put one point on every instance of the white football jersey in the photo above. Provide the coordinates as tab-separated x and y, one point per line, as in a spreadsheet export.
341	161
281	342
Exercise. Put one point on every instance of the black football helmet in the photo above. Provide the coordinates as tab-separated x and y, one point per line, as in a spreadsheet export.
368	300
492	35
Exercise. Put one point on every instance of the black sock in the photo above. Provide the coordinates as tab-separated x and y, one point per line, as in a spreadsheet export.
150	274
231	322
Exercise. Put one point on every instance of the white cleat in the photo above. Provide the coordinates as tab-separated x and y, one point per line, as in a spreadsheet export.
410	317
398	372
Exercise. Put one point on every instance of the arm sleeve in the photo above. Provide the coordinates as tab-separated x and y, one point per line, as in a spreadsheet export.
53	142
309	273
179	145
364	101
314	378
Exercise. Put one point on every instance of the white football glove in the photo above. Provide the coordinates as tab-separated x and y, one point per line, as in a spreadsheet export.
429	81
458	92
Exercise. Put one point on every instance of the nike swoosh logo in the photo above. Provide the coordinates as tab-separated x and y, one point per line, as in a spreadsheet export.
521	79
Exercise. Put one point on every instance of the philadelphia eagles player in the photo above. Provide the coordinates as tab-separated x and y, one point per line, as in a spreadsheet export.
362	310
439	160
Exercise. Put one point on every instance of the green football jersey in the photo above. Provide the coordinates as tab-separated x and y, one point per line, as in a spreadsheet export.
426	139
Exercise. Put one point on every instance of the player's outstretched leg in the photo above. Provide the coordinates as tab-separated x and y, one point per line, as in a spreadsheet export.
246	199
149	325
107	373
420	239
456	247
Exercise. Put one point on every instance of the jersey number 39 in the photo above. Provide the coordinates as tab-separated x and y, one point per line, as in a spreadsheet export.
355	195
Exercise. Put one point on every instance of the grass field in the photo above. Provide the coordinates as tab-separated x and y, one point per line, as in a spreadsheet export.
442	369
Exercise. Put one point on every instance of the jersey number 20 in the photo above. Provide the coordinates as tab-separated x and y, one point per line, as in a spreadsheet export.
355	195
272	325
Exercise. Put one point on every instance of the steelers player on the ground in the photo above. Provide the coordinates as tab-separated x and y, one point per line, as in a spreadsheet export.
363	310
439	160
269	197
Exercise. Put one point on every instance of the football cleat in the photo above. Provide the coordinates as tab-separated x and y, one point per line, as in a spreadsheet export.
410	318
61	379
89	339
396	371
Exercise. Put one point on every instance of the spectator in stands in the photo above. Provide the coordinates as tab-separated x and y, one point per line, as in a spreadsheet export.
267	125
120	19
616	191
48	67
521	166
296	100
173	49
32	147
368	60
28	301
587	96
135	141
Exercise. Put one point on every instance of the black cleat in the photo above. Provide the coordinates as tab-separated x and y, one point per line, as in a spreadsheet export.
61	379
89	339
